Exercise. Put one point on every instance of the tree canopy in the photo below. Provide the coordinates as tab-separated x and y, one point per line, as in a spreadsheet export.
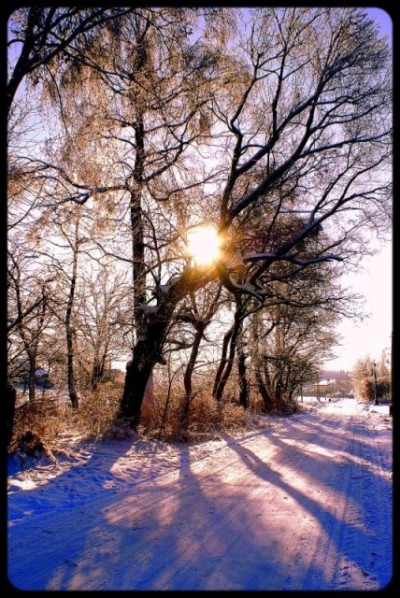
271	124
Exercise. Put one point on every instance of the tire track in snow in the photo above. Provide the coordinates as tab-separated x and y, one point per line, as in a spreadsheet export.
375	554
359	522
312	557
259	485
135	501
271	494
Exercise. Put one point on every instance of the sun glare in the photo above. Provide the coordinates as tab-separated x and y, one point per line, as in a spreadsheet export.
204	245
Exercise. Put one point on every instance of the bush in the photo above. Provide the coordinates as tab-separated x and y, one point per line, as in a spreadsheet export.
204	417
45	419
98	411
97	417
41	420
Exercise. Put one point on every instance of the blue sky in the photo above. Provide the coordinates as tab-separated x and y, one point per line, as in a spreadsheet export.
375	284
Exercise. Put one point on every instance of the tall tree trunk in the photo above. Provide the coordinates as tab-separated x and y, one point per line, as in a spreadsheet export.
148	348
138	257
223	360
200	326
97	371
269	369
187	378
262	389
136	190
32	378
149	339
279	394
242	374
146	353
73	395
31	343
11	398
220	384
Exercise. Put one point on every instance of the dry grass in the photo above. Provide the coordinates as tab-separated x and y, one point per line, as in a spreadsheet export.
98	410
171	419
40	421
45	419
202	419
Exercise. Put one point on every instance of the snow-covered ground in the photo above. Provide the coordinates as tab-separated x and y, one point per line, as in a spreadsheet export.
293	503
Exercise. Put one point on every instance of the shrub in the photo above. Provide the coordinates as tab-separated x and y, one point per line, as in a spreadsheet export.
98	411
41	420
200	420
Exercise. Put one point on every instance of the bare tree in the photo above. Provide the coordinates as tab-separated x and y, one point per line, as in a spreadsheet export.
318	135
371	380
289	119
163	79
200	319
363	379
244	394
40	35
229	346
28	315
101	315
62	237
287	346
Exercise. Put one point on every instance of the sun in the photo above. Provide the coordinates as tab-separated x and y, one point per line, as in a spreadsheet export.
204	245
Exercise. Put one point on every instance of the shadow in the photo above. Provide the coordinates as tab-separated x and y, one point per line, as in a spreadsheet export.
364	515
205	525
82	458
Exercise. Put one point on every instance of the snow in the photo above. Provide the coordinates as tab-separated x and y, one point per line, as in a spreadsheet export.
302	502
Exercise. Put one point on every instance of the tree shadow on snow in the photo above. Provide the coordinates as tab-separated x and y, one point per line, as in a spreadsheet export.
361	528
202	528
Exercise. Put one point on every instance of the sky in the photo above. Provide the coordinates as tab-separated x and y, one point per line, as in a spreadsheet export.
373	336
281	505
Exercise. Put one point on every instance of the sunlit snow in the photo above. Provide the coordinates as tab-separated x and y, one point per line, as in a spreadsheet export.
300	502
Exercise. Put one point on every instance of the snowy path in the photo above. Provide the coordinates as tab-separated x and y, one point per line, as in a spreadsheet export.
303	504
